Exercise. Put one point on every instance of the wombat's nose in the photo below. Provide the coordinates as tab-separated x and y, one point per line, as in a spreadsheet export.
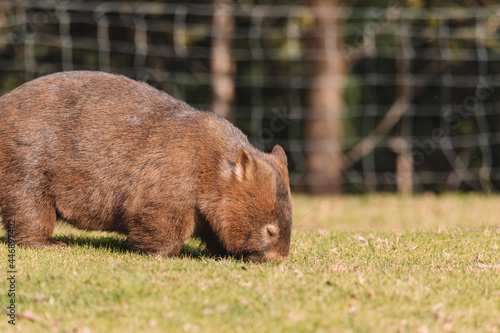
271	256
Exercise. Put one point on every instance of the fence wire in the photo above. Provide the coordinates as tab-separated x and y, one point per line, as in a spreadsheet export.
448	132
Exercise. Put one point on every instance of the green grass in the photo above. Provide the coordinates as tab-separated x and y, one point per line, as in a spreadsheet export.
378	263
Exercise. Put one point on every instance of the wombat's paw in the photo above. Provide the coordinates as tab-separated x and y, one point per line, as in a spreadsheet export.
152	252
56	244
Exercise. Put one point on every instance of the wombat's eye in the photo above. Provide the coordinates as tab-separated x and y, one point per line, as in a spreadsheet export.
271	230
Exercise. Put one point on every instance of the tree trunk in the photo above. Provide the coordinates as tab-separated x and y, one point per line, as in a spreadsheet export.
404	159
323	123
222	66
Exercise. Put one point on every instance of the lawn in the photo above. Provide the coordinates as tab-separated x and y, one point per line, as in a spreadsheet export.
380	263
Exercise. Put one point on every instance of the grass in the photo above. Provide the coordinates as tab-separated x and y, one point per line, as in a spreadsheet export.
378	263
395	213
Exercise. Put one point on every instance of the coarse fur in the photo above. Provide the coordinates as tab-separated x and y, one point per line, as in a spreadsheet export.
104	152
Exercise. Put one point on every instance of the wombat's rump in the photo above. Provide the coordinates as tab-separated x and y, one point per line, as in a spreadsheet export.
104	152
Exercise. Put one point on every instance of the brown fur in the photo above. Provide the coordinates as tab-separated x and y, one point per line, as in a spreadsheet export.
104	152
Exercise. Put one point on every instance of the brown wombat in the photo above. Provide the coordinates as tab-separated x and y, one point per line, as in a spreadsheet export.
104	152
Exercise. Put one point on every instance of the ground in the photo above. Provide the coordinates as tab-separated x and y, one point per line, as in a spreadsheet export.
380	263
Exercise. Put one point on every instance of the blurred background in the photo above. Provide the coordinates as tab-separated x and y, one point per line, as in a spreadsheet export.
364	96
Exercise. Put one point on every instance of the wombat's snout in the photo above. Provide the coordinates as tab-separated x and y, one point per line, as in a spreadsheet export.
275	257
272	257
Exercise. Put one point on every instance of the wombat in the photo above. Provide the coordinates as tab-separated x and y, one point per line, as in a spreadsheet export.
104	152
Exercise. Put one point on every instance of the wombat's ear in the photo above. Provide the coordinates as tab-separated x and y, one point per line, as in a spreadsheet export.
244	166
279	153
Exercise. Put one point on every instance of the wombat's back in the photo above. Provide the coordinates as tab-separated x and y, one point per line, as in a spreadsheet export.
94	105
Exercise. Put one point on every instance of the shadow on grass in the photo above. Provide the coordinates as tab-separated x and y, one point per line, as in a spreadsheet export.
121	245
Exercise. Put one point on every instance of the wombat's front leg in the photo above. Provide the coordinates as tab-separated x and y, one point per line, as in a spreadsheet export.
206	234
160	235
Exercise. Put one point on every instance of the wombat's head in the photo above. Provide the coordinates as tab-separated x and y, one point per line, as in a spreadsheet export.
256	207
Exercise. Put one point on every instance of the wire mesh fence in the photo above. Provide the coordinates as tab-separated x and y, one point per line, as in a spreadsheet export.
420	95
